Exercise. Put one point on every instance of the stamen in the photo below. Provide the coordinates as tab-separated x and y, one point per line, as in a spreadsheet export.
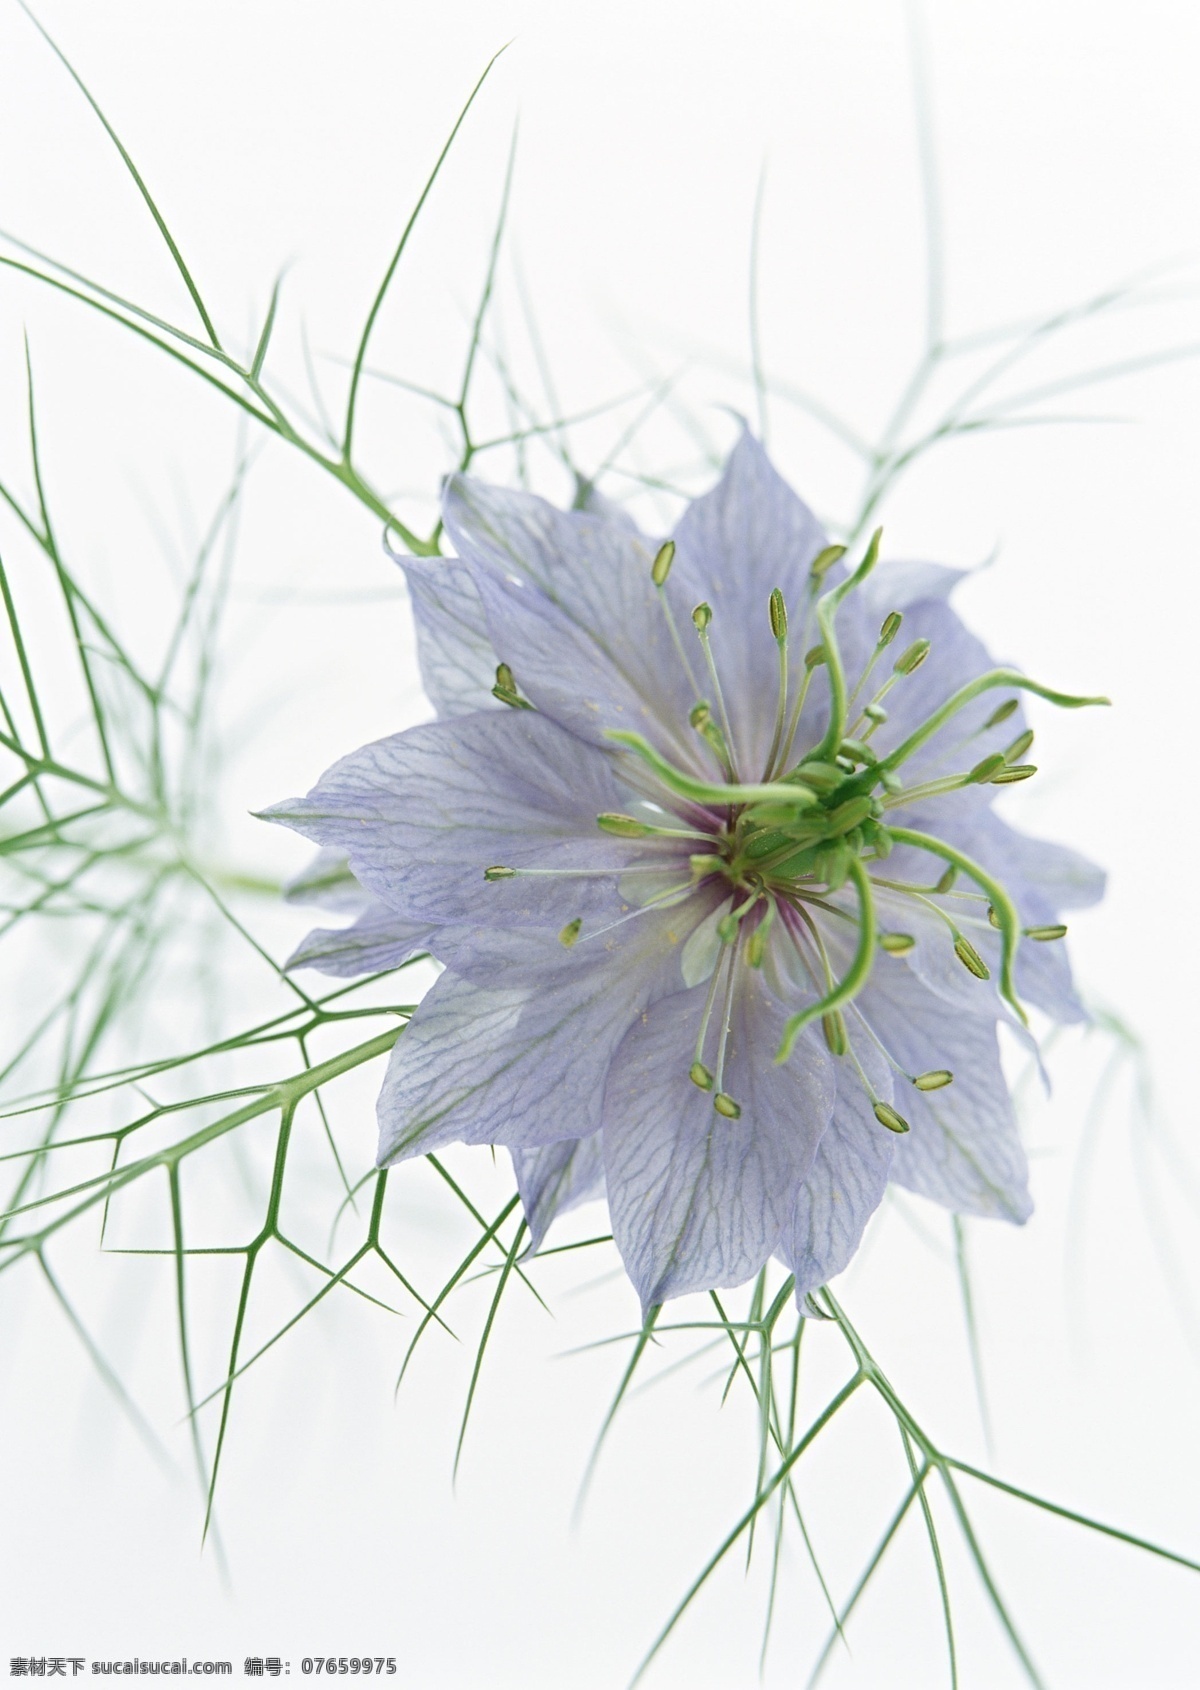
827	608
506	691
659	570
700	717
1056	931
912	657
970	958
725	1105
570	932
934	1080
1001	713
946	880
1019	746
986	768
702	618
777	610
891	627
887	1117
833	1026
856	975
699	1075
1009	777
887	633
896	944
629	827
875	713
498	873
756	945
824	562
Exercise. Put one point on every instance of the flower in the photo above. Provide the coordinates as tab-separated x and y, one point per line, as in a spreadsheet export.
728	921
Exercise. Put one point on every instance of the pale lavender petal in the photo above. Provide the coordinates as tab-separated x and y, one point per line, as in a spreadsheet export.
845	1184
963	1149
515	1049
458	665
572	610
327	884
423	814
379	940
749	535
697	1200
555	1178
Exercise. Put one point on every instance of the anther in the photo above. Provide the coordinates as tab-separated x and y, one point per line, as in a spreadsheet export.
833	1026
756	945
858	751
702	616
887	1117
570	933
993	917
825	560
986	768
1056	930
970	958
778	613
891	627
705	863
499	873
661	567
814	655
699	1075
1018	771
875	713
912	657
1019	747
947	880
725	1105
505	689
896	944
934	1080
727	928
621	827
1001	713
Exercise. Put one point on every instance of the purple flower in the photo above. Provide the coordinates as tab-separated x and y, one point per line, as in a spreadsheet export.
710	857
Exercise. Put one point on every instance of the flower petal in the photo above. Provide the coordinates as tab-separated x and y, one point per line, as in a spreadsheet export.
328	884
422	814
962	1150
697	1200
734	545
572	610
379	940
513	1042
845	1185
458	665
555	1178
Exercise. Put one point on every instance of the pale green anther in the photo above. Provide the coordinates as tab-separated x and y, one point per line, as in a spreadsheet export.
506	691
896	944
699	1075
934	1080
701	714
756	945
778	614
855	748
504	678
887	1117
993	917
1017	771
1001	713
970	958
702	616
1055	931
946	879
833	1026
875	713
624	827
912	657
891	627
570	932
661	567
848	815
846	764
825	560
883	842
986	768
727	928
1019	746
499	873
724	1105
891	781
814	655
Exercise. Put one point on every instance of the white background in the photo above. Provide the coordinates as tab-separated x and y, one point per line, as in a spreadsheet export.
1069	142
